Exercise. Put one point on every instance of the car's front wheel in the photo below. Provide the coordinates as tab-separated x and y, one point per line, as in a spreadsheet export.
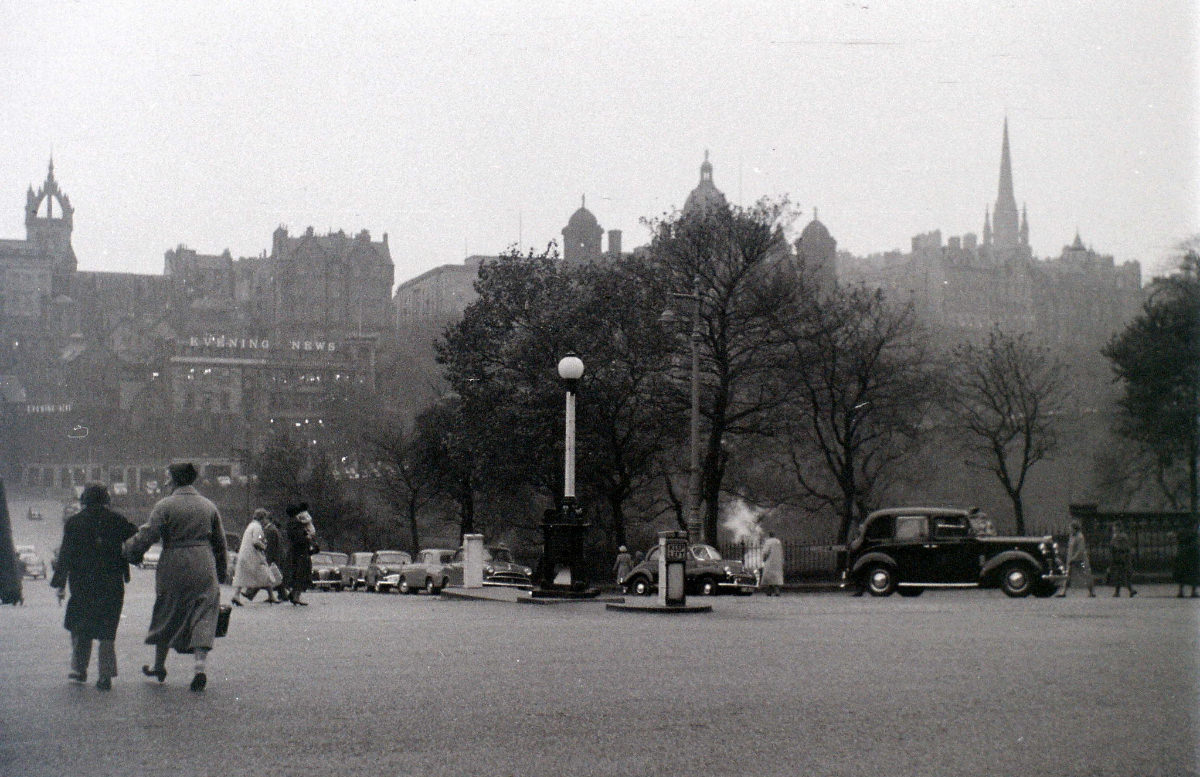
1016	580
430	586
880	580
404	586
640	586
708	587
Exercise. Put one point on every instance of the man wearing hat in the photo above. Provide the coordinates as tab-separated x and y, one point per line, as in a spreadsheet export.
302	542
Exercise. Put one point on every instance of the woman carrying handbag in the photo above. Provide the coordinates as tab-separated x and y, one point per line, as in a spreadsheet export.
252	571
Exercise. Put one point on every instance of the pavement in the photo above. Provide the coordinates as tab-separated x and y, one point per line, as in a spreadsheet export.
951	683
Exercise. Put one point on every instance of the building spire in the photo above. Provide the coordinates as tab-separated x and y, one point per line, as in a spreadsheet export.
1005	196
987	226
1006	220
1024	225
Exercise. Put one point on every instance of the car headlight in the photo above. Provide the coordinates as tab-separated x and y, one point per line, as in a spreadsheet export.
728	570
489	569
1043	547
527	570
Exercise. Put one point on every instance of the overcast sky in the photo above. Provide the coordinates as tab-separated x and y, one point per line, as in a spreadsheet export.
459	127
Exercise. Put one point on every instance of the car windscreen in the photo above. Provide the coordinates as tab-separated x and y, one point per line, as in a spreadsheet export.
322	558
705	553
500	555
391	558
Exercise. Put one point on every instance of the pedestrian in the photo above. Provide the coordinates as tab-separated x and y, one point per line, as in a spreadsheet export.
302	543
772	568
91	565
623	564
186	581
1078	561
978	520
1187	561
638	557
1120	568
252	571
10	569
276	553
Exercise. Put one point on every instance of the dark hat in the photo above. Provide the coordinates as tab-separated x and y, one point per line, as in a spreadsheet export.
183	473
296	509
94	494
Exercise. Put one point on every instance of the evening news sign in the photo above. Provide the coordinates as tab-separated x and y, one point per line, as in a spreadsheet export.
257	343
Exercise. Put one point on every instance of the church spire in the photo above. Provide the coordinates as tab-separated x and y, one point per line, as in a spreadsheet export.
1005	218
1024	225
987	225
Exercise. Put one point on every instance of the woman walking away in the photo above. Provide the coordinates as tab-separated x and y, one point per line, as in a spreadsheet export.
1187	561
1077	560
772	570
1120	570
623	564
91	565
252	571
302	543
187	596
276	556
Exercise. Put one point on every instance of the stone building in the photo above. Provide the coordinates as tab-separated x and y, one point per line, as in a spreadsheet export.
212	356
581	238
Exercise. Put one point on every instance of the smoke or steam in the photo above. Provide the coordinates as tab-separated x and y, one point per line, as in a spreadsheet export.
742	521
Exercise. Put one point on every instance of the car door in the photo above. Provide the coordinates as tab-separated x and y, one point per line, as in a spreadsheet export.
954	555
910	548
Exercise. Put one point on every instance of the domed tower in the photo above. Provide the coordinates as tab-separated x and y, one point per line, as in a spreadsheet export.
51	234
581	236
706	195
816	251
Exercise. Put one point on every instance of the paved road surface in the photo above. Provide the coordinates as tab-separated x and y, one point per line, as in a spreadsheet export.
962	683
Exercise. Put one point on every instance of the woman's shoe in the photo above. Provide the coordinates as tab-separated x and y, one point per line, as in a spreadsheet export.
236	601
104	684
199	681
161	674
298	603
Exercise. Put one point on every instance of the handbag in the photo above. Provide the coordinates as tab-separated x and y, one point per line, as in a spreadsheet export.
276	575
223	613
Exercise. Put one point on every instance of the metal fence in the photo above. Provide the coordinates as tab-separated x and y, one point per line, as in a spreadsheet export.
801	562
1152	535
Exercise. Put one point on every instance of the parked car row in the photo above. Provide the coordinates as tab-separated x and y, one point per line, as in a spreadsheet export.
396	571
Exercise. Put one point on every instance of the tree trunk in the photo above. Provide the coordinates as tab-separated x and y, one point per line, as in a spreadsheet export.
615	504
412	527
1019	513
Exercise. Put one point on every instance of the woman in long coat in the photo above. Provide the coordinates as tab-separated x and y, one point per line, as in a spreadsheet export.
10	574
772	570
187	595
91	565
252	571
301	538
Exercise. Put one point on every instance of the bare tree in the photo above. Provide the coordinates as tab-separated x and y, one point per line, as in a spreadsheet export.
1007	396
863	381
406	480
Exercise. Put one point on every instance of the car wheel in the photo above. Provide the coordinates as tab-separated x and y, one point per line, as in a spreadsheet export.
1016	580
430	587
708	587
404	588
880	580
640	586
909	592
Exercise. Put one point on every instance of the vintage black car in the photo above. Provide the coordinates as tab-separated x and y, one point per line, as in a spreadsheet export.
706	573
327	570
909	549
499	569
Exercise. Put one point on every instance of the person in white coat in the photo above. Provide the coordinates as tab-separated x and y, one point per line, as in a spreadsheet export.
252	571
772	569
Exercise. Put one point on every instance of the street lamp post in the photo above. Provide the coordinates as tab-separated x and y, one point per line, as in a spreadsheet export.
695	526
561	570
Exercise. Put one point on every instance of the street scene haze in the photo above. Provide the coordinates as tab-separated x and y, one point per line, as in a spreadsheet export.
599	389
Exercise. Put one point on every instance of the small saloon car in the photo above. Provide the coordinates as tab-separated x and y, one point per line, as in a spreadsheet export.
499	569
354	573
706	573
327	570
430	572
909	549
32	564
383	573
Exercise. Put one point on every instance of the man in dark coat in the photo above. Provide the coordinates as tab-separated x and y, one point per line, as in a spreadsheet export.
91	564
276	552
10	568
1187	561
302	544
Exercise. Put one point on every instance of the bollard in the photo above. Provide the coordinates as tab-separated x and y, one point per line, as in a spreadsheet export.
472	561
672	568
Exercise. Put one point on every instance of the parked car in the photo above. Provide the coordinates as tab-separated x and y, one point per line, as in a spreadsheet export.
327	570
705	573
33	564
909	549
499	569
354	573
430	572
383	573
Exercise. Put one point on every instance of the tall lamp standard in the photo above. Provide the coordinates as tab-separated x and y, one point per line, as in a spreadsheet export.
695	526
561	571
570	369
